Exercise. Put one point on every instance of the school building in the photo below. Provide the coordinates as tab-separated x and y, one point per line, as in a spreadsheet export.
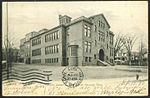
82	41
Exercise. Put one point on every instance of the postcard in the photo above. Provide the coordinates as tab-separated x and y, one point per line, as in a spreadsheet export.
75	48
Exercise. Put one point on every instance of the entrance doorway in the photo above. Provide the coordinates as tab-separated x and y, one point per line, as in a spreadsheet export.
28	60
101	55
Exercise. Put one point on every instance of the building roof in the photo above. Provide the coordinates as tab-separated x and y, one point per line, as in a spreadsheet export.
47	31
102	16
82	18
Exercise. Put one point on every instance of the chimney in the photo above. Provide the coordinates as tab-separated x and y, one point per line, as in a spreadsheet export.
60	16
64	19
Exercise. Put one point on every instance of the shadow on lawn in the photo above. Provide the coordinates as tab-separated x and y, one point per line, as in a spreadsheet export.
129	70
140	80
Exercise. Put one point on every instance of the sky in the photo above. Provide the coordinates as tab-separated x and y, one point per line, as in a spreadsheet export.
125	17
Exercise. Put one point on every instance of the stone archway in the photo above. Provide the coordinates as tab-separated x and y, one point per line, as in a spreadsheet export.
101	54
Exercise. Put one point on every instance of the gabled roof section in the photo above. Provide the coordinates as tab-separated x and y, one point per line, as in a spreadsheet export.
82	18
102	16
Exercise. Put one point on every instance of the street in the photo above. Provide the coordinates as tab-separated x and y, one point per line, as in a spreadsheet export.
92	72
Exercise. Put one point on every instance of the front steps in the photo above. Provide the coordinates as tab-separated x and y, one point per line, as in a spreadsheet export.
102	63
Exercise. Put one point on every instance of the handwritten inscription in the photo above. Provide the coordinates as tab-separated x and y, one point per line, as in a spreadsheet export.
118	88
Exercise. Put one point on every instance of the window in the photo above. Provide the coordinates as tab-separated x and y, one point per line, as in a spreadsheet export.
57	34
52	36
86	46
107	46
87	31
112	51
52	60
89	47
52	49
103	26
49	60
107	33
36	52
89	59
94	56
111	40
57	60
46	61
86	59
99	23
46	37
95	28
57	48
95	42
104	37
99	36
36	41
46	50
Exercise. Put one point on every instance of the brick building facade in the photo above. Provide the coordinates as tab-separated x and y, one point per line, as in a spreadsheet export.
83	41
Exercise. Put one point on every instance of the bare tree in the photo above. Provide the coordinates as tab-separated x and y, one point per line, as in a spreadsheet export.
142	51
128	43
8	46
118	43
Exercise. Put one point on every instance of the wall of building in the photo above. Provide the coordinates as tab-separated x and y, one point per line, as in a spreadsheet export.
74	34
100	44
27	52
89	40
74	37
44	44
63	46
111	54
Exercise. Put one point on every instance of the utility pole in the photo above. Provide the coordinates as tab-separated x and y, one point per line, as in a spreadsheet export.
7	49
